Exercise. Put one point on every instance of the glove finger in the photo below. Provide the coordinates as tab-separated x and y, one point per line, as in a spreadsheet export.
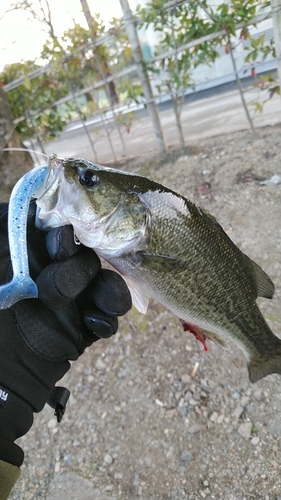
99	323
110	293
60	243
61	282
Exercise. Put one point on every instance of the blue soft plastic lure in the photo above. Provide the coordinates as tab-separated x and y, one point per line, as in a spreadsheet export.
21	286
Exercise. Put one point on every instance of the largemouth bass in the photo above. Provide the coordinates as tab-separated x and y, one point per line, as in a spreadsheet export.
168	248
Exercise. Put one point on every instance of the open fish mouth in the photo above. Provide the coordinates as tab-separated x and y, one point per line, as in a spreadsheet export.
55	194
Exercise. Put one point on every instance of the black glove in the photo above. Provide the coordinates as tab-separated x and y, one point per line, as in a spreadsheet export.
78	303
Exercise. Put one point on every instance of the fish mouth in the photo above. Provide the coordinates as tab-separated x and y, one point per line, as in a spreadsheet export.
55	194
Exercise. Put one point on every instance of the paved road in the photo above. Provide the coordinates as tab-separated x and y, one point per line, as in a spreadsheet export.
204	114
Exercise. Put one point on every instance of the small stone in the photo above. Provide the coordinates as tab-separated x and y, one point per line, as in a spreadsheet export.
275	429
220	419
181	402
258	395
214	417
235	395
57	467
118	475
178	396
68	460
52	423
186	379
188	396
186	457
183	411
108	459
148	461
171	413
182	469
206	483
255	440
192	402
159	403
100	365
244	401
238	411
245	430
195	428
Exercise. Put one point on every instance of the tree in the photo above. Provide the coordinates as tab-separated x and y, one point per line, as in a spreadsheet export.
227	16
13	164
40	11
176	26
32	103
92	61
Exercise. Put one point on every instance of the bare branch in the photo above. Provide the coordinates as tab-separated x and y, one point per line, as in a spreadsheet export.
43	15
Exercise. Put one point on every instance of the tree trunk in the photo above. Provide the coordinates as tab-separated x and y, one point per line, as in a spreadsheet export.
13	164
276	17
176	108
239	85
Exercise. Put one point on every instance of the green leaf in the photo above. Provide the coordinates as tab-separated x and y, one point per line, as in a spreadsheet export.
27	83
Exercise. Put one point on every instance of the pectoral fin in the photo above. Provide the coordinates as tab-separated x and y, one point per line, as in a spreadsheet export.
159	263
139	297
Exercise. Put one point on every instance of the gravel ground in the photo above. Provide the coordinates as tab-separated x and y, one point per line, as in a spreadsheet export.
153	416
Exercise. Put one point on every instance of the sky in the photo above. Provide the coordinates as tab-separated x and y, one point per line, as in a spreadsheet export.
21	38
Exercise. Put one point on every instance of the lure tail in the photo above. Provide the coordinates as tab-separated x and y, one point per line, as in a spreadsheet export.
21	286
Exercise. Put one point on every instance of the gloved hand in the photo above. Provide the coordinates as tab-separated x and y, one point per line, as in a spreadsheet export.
78	304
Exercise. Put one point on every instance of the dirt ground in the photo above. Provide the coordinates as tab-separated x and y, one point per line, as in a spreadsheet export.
142	423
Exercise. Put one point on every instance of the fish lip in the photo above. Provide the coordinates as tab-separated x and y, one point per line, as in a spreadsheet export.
58	162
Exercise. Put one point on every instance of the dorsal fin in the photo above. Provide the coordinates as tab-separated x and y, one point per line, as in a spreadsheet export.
265	287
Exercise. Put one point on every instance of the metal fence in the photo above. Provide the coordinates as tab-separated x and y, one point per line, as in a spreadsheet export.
104	108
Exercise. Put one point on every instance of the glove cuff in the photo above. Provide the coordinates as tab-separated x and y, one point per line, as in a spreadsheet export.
9	475
10	452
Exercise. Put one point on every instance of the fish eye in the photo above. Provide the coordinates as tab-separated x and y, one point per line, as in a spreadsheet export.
88	178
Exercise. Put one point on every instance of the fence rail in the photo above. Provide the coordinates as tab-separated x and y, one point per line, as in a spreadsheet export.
109	116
